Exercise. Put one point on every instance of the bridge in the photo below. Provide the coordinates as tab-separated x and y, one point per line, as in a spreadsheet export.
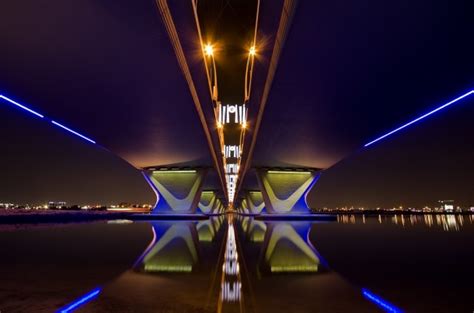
234	106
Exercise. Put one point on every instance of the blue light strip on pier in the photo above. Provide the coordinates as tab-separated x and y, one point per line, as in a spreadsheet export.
72	131
153	187
83	300
21	106
421	117
387	307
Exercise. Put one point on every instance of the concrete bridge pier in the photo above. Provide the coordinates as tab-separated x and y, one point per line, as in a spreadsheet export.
210	203
178	190
219	207
207	202
256	204
244	209
284	191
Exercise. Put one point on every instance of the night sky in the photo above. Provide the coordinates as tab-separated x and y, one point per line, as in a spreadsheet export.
40	163
366	81
430	161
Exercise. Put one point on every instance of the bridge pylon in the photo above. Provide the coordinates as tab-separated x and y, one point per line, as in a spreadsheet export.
178	190
207	202
219	207
284	191
255	201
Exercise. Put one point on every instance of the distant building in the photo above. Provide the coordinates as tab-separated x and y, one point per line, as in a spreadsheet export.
56	204
447	205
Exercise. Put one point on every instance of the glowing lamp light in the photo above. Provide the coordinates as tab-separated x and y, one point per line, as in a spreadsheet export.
77	303
420	118
252	51
232	151
208	50
231	113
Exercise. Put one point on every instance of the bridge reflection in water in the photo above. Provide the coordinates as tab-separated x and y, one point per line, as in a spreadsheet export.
230	263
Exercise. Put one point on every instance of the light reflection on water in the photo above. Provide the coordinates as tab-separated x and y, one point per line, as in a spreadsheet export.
231	281
248	274
238	263
448	222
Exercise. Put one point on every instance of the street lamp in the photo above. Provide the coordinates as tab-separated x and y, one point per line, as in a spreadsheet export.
252	51
208	50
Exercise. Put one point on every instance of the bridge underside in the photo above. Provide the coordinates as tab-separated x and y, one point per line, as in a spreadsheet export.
140	86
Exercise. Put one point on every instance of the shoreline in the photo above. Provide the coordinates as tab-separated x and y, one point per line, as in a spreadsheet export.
37	217
53	216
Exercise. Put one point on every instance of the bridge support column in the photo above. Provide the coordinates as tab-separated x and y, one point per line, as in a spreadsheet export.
218	207
177	191
244	206
255	201
284	192
207	202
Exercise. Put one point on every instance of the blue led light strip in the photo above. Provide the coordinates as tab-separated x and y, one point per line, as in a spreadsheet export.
42	116
387	307
420	118
21	106
72	131
83	300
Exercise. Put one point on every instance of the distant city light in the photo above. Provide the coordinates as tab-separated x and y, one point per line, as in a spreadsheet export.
21	106
72	131
420	118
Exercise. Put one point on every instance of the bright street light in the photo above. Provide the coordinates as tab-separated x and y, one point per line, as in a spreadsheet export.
209	50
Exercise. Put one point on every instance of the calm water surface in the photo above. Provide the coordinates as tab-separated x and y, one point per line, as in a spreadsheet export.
418	263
